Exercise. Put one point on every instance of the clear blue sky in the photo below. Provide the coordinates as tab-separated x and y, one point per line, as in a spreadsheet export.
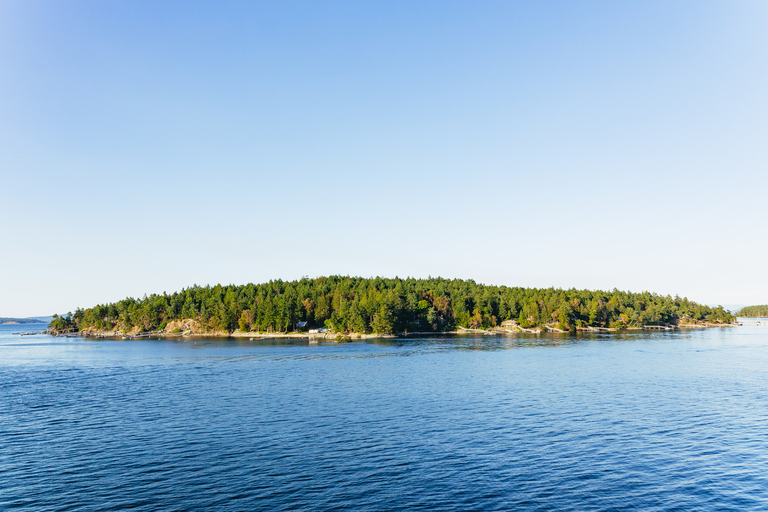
149	146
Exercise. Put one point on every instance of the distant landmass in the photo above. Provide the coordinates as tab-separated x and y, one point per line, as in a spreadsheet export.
386	306
27	320
753	311
729	307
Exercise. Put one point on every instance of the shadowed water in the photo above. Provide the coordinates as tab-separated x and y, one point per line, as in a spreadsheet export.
637	421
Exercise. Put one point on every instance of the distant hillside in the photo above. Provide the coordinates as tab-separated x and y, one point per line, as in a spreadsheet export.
753	311
729	307
30	320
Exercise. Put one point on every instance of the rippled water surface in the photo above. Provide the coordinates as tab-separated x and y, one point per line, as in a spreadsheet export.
638	421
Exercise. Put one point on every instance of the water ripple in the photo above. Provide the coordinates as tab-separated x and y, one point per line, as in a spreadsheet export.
628	422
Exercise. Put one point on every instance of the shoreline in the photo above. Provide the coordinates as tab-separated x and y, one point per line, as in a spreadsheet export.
342	337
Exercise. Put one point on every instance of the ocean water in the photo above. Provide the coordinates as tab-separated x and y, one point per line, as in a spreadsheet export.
635	421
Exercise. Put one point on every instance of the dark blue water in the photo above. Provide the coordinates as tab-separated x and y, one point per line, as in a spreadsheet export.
640	421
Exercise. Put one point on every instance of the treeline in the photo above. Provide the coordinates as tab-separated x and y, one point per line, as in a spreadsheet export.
378	305
6	320
753	311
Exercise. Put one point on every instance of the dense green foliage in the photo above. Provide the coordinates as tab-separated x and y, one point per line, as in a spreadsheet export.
378	305
753	311
62	323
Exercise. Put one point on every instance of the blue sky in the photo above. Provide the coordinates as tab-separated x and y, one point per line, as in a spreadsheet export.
149	146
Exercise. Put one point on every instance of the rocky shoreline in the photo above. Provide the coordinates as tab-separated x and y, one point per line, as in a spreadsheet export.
193	329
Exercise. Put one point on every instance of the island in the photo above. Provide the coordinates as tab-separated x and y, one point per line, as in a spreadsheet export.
355	307
760	311
33	320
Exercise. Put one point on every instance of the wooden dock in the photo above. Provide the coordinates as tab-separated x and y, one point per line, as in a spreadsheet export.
521	329
482	331
657	327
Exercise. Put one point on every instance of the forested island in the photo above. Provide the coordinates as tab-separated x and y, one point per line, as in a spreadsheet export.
8	320
753	311
384	306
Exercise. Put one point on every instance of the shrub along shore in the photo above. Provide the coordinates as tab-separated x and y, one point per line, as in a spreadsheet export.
381	306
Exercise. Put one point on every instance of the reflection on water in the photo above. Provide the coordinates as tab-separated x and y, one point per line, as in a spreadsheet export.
614	421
